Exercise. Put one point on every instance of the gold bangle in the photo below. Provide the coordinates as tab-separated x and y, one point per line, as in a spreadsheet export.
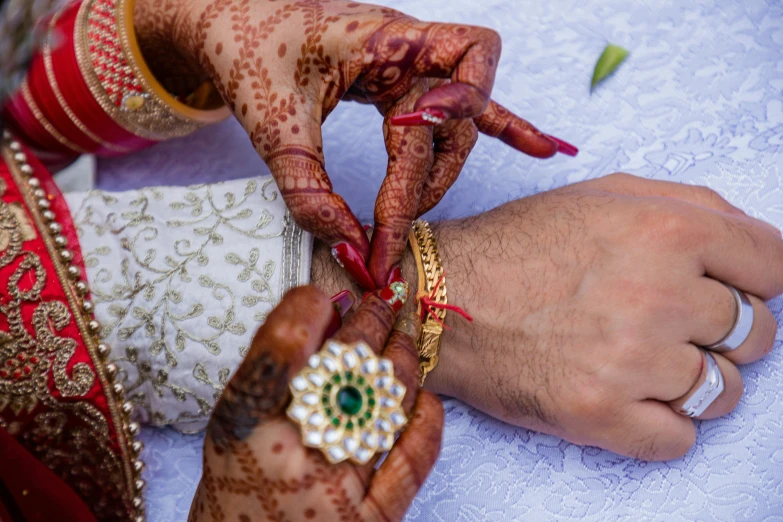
430	269
120	81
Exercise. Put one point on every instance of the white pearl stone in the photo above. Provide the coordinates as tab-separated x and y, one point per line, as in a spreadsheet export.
314	438
310	399
369	366
350	445
329	364
299	383
397	390
316	419
331	435
314	361
335	349
337	453
397	418
362	350
385	367
299	412
349	360
370	439
363	455
316	379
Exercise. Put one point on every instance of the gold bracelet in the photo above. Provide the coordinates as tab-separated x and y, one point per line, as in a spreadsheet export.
430	269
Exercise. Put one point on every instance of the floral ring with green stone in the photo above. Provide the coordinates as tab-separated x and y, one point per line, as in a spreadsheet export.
347	403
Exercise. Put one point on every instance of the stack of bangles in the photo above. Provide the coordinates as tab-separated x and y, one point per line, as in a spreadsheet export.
89	90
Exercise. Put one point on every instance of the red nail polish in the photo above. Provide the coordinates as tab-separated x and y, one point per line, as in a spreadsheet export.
343	302
425	117
395	275
335	324
350	259
395	294
564	147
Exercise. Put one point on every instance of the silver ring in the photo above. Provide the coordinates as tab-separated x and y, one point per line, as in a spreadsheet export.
742	324
710	390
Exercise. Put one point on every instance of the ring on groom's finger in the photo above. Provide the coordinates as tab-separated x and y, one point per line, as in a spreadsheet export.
347	402
743	324
705	395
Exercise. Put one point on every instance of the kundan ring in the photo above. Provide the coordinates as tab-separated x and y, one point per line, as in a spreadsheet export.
347	403
743	323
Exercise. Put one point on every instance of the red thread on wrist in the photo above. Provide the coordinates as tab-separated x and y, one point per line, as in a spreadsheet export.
428	305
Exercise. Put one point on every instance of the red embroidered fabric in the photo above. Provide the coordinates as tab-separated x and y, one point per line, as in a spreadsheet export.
56	396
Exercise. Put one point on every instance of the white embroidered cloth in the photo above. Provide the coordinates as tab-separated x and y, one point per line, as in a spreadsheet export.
181	278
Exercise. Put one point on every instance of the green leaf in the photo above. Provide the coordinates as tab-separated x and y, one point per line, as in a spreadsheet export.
610	59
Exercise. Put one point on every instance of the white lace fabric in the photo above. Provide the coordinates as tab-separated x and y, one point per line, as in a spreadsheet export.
181	278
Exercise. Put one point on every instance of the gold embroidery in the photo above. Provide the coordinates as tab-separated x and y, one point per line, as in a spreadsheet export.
71	437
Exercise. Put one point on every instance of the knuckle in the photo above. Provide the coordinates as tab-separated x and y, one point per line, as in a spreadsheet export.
593	404
491	38
663	225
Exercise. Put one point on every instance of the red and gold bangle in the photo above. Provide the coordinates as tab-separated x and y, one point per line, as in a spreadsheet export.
90	90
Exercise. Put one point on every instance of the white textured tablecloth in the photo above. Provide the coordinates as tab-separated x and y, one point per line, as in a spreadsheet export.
699	100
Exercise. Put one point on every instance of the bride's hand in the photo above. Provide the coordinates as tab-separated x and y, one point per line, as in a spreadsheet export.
256	467
283	66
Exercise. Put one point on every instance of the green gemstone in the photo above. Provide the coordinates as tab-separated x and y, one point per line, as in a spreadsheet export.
350	400
348	376
328	386
371	402
369	390
368	414
360	380
325	399
349	426
336	378
329	411
336	421
361	422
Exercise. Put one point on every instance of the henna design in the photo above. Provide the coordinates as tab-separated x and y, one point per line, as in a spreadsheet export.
283	65
251	397
454	141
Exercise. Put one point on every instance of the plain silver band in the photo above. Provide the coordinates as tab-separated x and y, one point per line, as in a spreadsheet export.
710	390
742	324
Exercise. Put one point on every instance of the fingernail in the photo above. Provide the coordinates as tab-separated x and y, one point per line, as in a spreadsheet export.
395	294
425	117
335	324
350	259
395	275
563	146
343	302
